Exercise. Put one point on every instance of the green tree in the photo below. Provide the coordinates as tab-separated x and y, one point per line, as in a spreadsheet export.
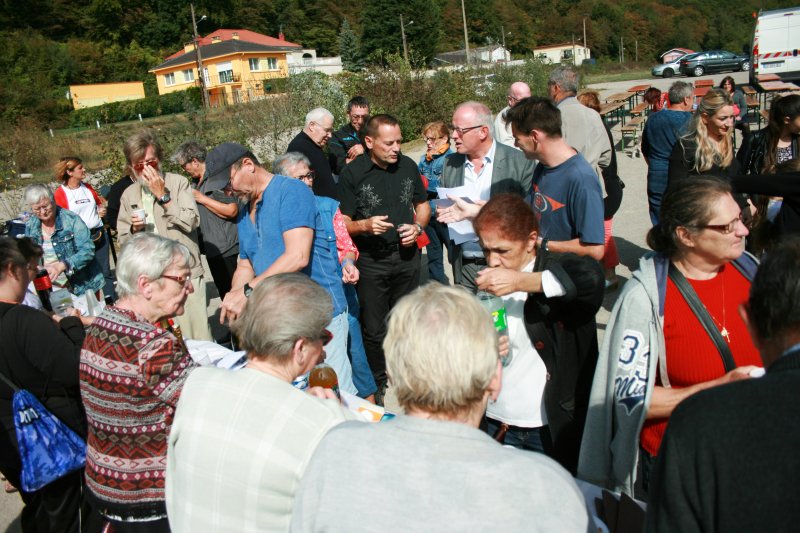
381	35
350	48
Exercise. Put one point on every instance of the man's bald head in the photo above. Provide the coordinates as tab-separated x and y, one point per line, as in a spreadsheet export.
518	91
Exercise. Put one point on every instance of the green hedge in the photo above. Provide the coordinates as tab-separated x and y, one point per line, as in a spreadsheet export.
152	106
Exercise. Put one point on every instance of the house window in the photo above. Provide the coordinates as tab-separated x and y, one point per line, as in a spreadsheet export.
169	79
261	64
188	75
225	72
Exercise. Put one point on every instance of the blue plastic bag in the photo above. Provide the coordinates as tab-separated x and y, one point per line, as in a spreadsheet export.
48	448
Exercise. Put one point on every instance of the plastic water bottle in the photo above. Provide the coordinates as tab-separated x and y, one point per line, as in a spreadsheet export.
496	307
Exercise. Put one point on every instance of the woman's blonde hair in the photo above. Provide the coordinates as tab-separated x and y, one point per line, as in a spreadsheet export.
707	154
65	165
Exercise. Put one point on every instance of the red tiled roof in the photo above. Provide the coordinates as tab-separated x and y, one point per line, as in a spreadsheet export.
244	35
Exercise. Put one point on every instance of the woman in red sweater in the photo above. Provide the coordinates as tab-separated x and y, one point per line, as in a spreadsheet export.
81	199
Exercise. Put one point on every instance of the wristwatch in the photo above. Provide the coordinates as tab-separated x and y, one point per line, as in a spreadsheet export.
248	290
543	246
165	199
419	229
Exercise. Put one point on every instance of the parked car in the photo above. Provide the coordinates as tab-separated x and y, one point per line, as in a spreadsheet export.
667	70
701	63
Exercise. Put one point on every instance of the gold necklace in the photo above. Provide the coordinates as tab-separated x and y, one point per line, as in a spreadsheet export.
722	329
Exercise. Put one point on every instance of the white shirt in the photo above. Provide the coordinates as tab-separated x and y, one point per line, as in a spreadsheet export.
521	399
480	186
81	202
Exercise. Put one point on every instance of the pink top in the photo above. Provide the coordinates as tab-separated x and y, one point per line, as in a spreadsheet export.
344	244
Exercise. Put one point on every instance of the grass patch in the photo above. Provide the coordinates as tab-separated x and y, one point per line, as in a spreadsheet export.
608	77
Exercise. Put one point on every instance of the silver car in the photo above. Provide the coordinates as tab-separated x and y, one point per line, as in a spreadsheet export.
667	70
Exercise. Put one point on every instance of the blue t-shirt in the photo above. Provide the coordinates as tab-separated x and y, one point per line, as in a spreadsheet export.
285	205
660	135
568	201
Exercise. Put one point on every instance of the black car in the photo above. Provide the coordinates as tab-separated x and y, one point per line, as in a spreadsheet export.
701	63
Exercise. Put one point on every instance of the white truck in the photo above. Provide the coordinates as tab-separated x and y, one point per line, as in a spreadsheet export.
776	44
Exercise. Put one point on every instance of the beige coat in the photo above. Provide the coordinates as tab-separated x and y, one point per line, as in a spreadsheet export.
178	220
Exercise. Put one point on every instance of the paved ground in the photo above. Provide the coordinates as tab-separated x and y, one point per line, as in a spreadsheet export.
630	227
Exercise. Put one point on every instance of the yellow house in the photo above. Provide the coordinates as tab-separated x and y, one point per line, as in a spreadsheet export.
237	66
94	94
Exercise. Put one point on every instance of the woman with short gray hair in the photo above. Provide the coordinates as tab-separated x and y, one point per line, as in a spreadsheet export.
241	440
133	366
69	253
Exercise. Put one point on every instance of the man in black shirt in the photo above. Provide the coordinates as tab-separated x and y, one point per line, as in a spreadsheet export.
347	142
310	142
384	206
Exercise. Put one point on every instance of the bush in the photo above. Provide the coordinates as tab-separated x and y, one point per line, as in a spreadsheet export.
151	106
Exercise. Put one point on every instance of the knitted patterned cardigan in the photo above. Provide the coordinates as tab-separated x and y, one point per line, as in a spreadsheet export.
131	375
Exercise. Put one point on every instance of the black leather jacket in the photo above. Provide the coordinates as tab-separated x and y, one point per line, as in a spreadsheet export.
754	148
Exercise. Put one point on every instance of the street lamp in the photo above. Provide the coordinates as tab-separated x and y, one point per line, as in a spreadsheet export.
203	88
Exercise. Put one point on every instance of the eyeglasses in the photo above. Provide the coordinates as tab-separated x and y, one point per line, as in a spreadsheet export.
433	139
326	337
462	131
183	280
514	99
41	208
308	176
730	227
153	163
327	130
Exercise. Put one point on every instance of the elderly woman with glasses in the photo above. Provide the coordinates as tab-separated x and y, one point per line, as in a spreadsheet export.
674	331
132	370
241	440
168	207
69	253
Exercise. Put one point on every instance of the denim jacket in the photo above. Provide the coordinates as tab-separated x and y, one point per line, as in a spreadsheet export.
73	245
323	266
433	171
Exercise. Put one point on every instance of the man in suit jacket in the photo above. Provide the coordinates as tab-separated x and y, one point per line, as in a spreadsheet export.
728	461
488	168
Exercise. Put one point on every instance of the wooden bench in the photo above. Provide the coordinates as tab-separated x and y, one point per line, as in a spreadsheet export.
631	131
748	91
753	104
704	83
639	110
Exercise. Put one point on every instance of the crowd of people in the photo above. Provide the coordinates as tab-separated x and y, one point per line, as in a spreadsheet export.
317	257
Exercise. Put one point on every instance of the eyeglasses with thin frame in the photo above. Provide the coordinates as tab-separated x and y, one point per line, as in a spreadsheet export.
462	131
183	280
41	208
432	139
326	337
308	176
153	163
725	229
327	130
513	99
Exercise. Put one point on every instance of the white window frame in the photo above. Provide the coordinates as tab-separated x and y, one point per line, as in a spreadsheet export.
188	75
169	79
257	61
222	68
272	63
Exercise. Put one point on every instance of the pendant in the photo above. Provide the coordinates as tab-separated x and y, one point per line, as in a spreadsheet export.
725	334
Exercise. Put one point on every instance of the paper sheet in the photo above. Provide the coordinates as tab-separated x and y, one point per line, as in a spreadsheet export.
460	232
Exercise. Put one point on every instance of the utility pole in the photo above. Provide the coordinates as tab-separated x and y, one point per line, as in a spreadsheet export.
637	50
466	35
574	59
585	43
202	79
403	33
622	49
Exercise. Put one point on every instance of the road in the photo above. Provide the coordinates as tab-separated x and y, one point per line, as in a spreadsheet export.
630	228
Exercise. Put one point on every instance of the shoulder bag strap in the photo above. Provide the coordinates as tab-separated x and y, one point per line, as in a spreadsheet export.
702	315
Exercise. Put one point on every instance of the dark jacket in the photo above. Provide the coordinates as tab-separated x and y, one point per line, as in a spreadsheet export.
341	141
564	332
728	461
42	358
754	148
323	181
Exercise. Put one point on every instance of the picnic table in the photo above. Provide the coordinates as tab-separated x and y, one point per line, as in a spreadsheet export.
775	86
768	77
704	83
620	97
748	91
638	90
613	108
700	92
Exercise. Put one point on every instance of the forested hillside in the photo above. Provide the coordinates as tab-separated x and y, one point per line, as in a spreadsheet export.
50	44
